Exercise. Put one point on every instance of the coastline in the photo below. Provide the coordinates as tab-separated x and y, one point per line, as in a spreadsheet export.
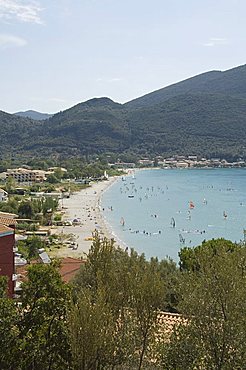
85	206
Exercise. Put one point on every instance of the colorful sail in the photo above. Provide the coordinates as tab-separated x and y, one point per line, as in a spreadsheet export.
192	205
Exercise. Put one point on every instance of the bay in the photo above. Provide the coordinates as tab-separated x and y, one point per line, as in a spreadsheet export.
159	211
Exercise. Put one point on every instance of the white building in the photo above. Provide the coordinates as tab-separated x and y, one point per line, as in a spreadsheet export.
3	195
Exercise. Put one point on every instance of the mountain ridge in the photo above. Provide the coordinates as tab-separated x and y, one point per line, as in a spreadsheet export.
203	115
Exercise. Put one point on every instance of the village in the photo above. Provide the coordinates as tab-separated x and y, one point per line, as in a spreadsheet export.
181	161
34	226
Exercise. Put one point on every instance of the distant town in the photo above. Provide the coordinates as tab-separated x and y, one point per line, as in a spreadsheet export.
180	161
26	174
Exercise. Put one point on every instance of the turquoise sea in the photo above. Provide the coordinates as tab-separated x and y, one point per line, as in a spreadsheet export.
159	211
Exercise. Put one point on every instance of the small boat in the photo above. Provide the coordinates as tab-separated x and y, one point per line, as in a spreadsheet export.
225	215
192	205
130	196
122	221
173	223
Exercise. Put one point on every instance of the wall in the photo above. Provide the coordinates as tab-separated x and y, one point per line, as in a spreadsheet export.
7	260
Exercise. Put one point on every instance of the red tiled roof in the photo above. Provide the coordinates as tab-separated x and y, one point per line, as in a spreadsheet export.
7	221
4	229
22	270
69	267
167	321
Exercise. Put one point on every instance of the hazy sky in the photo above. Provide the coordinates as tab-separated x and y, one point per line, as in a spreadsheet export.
56	53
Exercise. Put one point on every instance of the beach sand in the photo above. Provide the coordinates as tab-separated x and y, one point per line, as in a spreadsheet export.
85	207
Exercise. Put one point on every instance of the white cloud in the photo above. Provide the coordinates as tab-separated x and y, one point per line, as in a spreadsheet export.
216	41
10	40
22	10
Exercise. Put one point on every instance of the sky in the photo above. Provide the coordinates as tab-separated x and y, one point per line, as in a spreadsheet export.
57	53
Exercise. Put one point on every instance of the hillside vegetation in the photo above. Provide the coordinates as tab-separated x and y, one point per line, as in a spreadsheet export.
203	115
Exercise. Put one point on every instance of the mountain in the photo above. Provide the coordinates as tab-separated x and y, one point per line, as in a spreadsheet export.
202	124
34	115
204	115
168	92
230	82
95	126
15	131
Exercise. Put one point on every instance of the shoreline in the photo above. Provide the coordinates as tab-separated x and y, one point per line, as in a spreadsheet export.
85	206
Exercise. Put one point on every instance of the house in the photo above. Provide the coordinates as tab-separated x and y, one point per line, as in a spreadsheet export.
8	219
3	195
7	268
69	267
182	164
146	162
25	175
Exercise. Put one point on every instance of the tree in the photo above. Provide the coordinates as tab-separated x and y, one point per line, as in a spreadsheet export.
3	286
52	179
9	342
9	335
10	184
213	299
102	326
26	209
58	173
190	257
43	324
11	206
148	293
130	292
98	339
33	244
49	205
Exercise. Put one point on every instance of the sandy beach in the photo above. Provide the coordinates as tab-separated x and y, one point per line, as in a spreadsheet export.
84	206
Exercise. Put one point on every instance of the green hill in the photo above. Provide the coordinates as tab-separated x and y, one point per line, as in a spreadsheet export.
15	131
204	115
95	126
161	95
202	124
231	82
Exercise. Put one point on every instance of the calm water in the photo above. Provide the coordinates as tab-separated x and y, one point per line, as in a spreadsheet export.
168	209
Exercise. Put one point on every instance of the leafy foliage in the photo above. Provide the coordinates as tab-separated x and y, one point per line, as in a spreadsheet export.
108	320
123	294
212	298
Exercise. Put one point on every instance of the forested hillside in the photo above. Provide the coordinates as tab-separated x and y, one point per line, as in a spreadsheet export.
204	115
15	132
231	82
159	96
208	125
